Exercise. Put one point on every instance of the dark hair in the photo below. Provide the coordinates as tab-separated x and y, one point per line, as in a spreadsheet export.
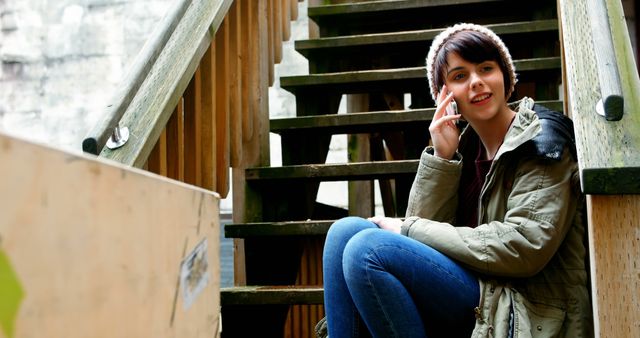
474	47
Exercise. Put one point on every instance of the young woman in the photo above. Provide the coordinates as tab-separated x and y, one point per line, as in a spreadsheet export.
493	241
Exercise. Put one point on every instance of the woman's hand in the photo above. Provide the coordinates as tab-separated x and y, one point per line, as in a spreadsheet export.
387	223
444	132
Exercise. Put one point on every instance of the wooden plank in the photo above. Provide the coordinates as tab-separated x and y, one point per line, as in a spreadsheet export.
335	172
154	102
277	30
607	151
286	19
294	9
355	81
365	122
235	86
193	130
270	295
246	70
158	159
304	46
91	243
272	37
222	109
207	121
290	228
175	143
381	6
615	268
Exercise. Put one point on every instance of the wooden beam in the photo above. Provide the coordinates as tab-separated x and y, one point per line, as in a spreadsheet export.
101	248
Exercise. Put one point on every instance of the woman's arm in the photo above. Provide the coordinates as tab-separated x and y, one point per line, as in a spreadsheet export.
434	193
539	211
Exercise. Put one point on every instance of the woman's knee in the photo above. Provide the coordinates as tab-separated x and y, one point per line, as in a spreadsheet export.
347	227
361	248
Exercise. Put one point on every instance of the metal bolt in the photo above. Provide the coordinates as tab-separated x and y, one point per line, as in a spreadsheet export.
119	137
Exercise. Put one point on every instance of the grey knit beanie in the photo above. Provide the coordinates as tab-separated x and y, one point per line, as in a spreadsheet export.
440	40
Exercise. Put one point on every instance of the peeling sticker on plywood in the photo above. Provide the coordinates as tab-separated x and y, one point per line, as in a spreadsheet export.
194	274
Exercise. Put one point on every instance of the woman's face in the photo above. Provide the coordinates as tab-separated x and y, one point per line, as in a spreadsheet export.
477	88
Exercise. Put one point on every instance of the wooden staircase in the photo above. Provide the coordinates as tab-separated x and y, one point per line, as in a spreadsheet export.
373	52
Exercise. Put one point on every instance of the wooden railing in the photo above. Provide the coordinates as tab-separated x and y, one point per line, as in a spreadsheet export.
609	158
196	100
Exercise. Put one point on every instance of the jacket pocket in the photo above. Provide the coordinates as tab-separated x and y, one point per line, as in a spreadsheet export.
537	320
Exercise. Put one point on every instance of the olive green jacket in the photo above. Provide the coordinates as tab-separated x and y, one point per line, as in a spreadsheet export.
529	247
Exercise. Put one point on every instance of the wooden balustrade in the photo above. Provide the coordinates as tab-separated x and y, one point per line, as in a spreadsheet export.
198	103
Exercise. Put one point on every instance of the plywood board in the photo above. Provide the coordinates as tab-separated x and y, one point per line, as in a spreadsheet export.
94	249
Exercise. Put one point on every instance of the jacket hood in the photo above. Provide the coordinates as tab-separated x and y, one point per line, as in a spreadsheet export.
542	131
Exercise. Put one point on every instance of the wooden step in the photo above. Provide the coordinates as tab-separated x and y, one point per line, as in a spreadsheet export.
376	16
354	123
386	79
262	229
271	295
368	122
409	48
333	172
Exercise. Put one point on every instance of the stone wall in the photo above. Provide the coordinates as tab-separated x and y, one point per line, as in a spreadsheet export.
62	59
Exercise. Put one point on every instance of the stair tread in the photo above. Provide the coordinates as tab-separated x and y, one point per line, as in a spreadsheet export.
288	228
346	81
353	123
334	172
305	46
381	6
271	295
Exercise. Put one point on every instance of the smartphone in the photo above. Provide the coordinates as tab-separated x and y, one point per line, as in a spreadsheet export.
452	108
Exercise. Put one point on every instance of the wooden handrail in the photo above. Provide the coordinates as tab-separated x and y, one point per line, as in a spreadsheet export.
196	100
97	137
607	151
611	104
160	92
609	161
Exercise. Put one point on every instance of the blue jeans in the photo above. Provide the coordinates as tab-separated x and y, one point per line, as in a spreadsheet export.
396	285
